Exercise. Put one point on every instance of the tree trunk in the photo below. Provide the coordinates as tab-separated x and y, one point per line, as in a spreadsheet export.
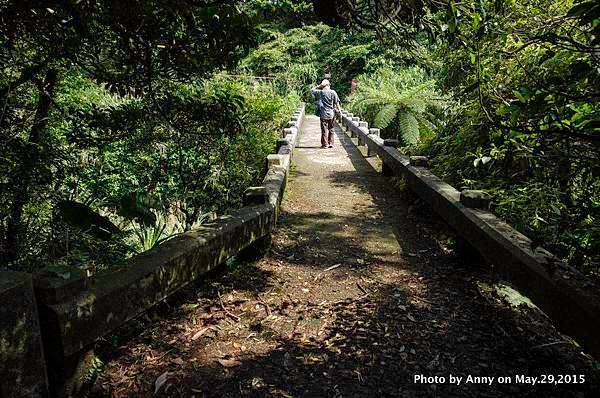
23	178
327	11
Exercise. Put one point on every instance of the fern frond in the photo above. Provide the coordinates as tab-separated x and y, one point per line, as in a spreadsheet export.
427	123
409	128
385	116
418	89
368	102
418	104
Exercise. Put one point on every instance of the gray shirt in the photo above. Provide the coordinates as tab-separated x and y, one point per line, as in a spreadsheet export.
329	100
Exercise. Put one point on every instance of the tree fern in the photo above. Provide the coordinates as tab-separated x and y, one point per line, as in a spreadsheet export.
400	101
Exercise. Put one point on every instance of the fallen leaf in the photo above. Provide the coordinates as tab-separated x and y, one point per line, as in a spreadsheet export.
160	380
178	361
409	316
229	363
199	333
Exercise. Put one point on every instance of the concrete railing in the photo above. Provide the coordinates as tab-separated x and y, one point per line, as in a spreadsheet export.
570	299
68	316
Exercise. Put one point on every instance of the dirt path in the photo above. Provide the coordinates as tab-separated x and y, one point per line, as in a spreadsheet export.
358	295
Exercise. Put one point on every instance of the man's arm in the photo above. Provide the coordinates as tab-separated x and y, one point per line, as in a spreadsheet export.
337	103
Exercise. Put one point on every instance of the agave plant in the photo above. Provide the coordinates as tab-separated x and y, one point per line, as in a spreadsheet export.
150	235
404	99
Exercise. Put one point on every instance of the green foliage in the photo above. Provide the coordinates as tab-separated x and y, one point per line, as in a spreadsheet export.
95	369
346	62
528	118
151	235
409	128
285	12
125	126
298	58
284	50
524	122
398	101
384	115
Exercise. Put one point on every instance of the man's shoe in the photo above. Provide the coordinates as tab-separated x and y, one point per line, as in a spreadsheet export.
330	146
323	146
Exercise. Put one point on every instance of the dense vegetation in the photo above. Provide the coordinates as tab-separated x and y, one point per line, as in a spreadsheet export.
522	114
123	123
120	126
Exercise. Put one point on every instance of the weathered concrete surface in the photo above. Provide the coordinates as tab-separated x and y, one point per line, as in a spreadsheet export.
254	196
475	199
570	299
326	181
418	161
118	296
274	160
22	366
51	289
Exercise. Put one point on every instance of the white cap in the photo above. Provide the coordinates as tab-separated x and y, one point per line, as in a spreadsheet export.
325	82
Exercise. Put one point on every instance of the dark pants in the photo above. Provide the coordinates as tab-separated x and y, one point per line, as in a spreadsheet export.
326	132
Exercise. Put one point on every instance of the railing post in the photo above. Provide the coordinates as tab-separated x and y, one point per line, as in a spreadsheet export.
375	132
281	142
386	170
355	121
254	196
274	160
362	125
418	161
475	199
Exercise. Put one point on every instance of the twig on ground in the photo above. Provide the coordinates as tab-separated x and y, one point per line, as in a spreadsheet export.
332	267
549	344
362	289
425	301
326	270
263	302
237	318
163	355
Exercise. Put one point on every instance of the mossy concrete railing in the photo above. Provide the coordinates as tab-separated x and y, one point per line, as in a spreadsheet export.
570	299
74	313
22	365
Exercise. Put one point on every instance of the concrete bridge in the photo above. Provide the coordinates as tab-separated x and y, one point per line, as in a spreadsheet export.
345	285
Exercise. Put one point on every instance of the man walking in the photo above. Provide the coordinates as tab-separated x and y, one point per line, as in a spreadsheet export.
327	103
